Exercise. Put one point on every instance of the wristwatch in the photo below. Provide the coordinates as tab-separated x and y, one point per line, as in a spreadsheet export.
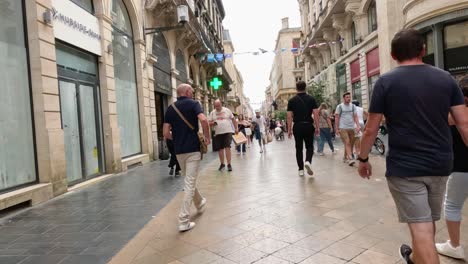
363	160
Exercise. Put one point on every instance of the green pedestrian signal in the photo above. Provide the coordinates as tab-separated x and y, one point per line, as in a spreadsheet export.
216	83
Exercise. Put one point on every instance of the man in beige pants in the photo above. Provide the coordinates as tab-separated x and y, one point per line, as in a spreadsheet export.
182	118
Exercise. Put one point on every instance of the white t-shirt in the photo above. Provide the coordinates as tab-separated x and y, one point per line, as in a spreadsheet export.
260	123
360	114
223	119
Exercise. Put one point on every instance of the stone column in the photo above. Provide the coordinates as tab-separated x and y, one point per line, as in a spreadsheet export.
326	54
49	135
386	13
109	99
331	36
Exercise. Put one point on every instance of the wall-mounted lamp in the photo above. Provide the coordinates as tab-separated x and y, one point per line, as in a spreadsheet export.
47	16
182	18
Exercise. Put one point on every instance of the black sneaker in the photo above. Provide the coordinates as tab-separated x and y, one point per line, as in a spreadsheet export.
229	167
221	167
405	253
171	171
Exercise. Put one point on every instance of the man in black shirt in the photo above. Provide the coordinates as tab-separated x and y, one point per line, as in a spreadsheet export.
415	99
182	118
300	110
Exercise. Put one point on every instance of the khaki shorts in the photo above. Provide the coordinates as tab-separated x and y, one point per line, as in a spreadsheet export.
348	136
418	199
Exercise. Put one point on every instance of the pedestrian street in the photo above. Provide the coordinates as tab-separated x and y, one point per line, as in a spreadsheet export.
262	212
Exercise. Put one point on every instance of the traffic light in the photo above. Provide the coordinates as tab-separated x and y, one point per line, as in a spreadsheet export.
216	83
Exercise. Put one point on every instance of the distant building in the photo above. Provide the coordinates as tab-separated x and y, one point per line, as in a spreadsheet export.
286	69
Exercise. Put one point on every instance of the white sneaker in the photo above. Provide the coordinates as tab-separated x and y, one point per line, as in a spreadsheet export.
301	173
321	154
351	162
202	207
308	167
186	227
448	250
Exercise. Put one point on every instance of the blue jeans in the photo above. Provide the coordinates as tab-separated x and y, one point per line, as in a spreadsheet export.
325	135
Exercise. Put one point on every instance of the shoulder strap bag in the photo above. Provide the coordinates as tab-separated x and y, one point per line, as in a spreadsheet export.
201	138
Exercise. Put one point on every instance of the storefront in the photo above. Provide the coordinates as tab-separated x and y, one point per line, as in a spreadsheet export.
78	46
17	146
373	70
447	42
356	80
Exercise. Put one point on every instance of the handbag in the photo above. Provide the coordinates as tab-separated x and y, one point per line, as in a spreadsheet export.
201	138
269	137
239	139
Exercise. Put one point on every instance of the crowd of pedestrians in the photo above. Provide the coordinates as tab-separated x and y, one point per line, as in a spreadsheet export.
423	107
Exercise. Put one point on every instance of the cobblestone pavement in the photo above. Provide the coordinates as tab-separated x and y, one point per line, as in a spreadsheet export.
89	225
263	212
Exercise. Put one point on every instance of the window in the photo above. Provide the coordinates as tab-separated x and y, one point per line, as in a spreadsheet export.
372	17
17	160
125	80
320	6
85	4
353	34
371	83
357	93
298	79
429	54
456	48
297	59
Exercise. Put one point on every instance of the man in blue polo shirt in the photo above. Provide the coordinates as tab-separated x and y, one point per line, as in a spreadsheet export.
187	147
416	99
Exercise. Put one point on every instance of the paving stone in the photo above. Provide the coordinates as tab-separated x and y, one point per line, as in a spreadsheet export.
246	255
269	245
294	254
372	257
343	251
320	258
200	257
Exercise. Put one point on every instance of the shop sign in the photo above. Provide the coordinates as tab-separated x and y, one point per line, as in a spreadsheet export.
74	25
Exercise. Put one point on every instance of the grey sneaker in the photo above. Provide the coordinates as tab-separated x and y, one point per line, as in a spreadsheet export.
405	253
186	227
221	167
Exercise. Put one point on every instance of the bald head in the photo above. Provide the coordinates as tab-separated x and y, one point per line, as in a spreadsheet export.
218	105
185	90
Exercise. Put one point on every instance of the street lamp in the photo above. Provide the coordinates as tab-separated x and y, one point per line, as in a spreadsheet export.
183	18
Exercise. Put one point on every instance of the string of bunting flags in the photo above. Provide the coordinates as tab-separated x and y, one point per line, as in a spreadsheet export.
219	57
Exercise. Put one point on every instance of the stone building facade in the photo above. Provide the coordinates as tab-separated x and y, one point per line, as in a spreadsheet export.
236	99
286	70
86	83
346	43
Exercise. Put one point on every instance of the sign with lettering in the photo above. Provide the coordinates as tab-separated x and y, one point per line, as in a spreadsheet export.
74	25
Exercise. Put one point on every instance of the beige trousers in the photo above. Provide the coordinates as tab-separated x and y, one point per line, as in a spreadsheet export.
190	164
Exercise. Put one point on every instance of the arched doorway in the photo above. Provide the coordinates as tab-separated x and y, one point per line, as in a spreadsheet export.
125	80
162	86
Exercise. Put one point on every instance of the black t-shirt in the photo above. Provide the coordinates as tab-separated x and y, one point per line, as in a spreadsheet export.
302	106
460	152
416	101
185	139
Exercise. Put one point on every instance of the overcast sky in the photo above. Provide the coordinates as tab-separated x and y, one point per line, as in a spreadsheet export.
254	24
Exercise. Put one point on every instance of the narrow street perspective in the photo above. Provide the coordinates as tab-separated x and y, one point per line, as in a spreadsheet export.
233	131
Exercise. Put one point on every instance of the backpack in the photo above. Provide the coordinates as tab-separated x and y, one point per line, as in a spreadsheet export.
340	110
